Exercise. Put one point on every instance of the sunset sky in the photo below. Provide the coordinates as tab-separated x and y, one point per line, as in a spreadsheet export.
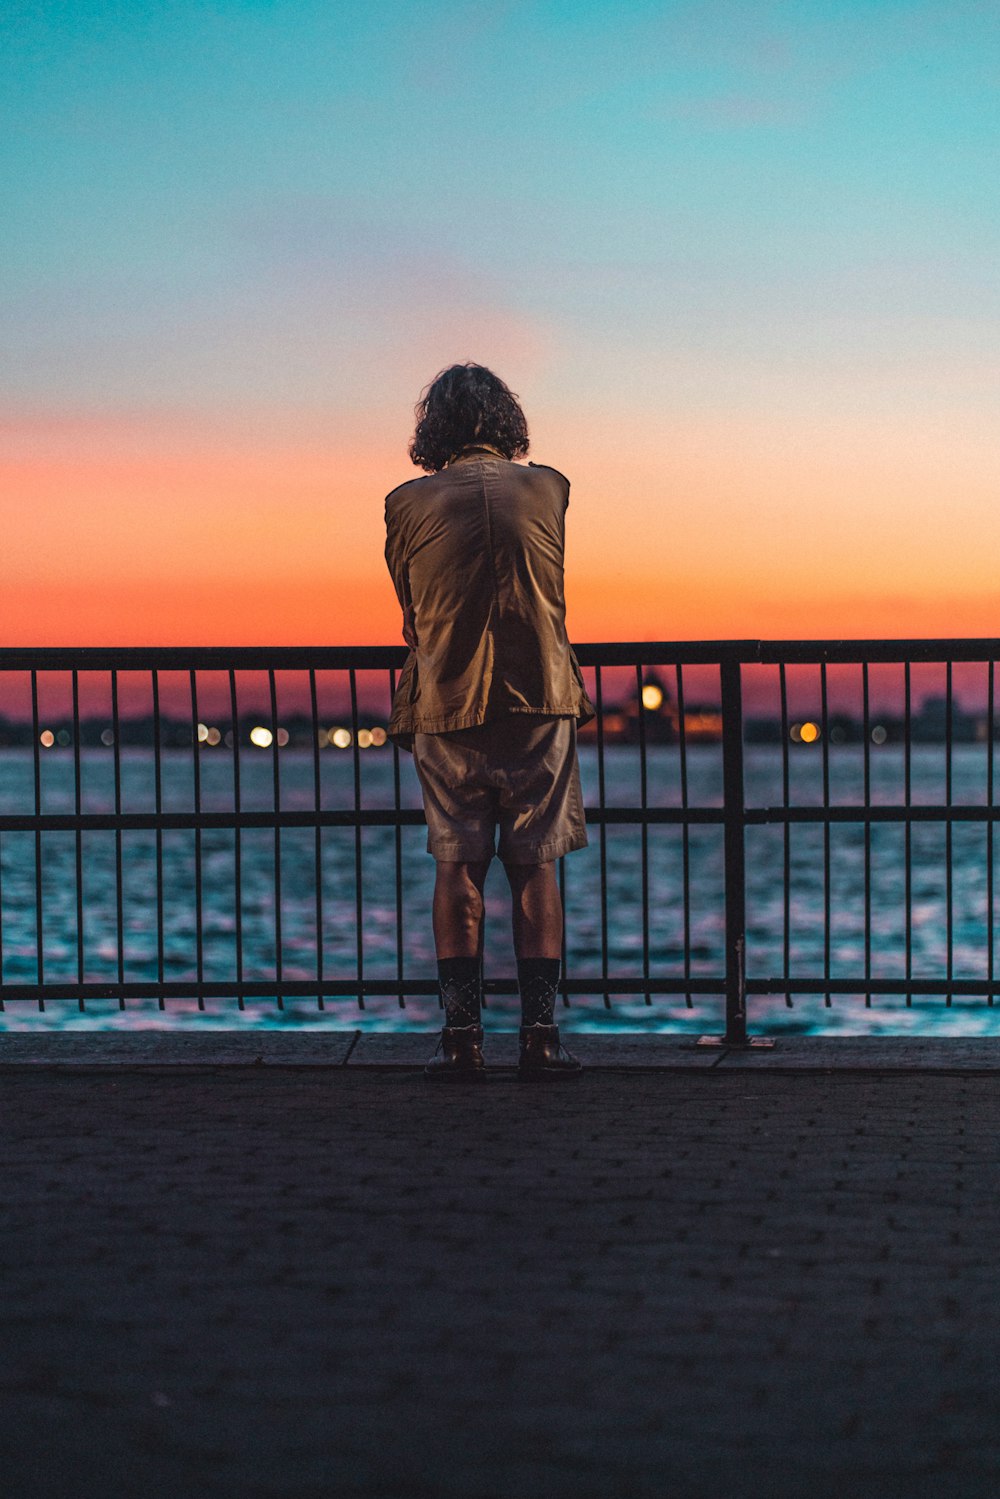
741	261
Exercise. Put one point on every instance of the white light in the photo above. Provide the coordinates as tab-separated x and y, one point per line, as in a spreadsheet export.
364	738
202	732
260	736
341	738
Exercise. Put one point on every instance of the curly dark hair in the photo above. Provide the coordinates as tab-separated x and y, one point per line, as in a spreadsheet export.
464	405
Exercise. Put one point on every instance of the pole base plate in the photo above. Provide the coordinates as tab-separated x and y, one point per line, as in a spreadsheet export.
755	1043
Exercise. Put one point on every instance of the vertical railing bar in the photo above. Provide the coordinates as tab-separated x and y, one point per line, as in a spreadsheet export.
949	734
39	928
78	807
866	715
866	731
564	980
908	824
989	828
276	798
358	887
199	936
685	832
119	900
398	851
158	801
735	820
827	905
824	730
237	840
317	846
603	837
3	1007
643	831
786	951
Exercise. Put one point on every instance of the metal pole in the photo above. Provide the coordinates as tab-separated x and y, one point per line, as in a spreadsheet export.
735	851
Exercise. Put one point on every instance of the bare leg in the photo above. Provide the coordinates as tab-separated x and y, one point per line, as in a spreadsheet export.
458	909
536	910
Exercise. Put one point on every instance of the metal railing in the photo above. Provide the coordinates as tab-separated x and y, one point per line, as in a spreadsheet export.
725	789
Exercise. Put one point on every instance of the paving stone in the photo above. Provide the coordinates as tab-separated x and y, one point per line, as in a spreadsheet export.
501	1050
200	1047
337	1280
321	1047
413	1049
866	1053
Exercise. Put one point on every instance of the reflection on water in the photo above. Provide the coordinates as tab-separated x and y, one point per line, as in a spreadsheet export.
670	869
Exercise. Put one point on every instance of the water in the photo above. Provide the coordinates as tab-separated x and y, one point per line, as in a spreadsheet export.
666	880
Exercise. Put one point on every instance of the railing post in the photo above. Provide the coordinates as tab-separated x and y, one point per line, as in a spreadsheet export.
734	828
735	852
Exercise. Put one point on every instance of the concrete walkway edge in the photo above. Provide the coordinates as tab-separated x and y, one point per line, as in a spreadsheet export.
357	1049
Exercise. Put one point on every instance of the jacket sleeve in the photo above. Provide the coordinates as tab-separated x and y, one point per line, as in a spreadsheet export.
396	562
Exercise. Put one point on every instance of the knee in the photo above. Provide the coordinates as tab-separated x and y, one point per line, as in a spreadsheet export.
462	895
469	905
534	877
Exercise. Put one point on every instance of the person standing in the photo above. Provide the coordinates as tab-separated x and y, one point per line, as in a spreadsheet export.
488	701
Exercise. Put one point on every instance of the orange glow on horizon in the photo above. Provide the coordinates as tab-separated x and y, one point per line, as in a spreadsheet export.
169	532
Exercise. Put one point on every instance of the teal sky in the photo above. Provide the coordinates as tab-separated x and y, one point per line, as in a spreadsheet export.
783	216
186	184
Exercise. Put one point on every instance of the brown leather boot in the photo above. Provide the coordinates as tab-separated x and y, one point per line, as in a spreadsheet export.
461	1059
543	1059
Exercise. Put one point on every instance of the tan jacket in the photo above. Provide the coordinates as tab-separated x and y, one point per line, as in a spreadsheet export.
476	557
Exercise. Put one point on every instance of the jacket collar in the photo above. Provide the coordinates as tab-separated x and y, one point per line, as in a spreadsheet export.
473	452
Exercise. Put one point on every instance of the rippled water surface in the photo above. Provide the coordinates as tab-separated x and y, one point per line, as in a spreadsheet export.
669	870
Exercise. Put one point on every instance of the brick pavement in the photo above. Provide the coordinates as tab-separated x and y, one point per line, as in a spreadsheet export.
337	1281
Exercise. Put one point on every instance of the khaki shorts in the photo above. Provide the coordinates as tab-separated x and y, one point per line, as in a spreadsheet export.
520	771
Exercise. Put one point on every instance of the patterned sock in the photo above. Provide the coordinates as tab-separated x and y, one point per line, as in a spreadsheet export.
538	980
461	981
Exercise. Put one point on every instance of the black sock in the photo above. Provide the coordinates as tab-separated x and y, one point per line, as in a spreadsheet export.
538	981
461	981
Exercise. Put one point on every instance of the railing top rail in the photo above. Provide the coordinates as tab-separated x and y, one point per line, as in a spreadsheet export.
594	653
771	652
